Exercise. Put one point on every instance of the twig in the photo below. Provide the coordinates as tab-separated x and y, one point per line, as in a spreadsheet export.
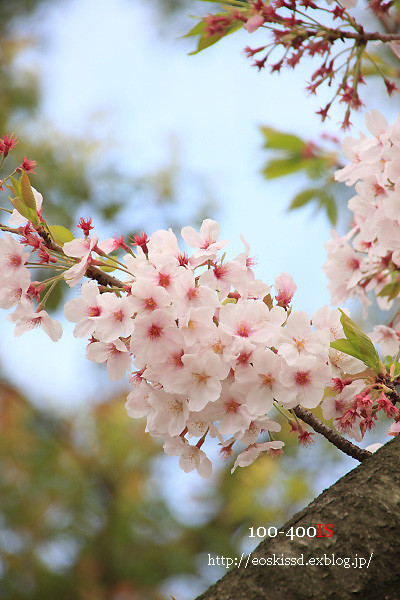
331	435
364	37
91	272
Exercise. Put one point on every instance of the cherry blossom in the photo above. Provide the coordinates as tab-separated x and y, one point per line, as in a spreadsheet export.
169	413
13	259
206	241
387	338
286	288
305	378
366	259
191	457
115	354
79	248
210	350
247	457
200	379
262	381
115	319
85	311
26	318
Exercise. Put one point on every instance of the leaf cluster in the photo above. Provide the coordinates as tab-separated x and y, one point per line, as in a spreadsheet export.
290	155
357	344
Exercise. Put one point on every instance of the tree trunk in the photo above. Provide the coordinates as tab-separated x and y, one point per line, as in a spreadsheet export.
363	509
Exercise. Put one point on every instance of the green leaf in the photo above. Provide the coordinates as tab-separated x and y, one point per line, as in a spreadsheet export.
331	210
54	300
304	197
110	264
278	140
27	192
361	342
198	29
16	187
61	234
284	166
396	369
391	290
370	64
206	41
24	210
347	347
317	166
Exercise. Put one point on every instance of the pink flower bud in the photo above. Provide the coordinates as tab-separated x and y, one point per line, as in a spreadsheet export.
254	23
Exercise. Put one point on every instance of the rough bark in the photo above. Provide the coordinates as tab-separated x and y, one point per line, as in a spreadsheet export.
364	509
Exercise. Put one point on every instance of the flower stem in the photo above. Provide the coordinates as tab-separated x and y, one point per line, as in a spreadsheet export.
331	435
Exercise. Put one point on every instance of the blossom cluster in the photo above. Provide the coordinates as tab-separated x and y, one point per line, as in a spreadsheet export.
212	353
209	348
17	289
367	258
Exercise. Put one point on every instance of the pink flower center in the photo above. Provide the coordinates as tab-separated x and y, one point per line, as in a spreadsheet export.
174	407
300	344
267	380
232	405
303	377
218	347
243	330
155	331
150	304
94	311
244	357
201	378
36	321
119	315
221	271
192	293
113	351
175	360
164	279
183	259
207	242
15	260
378	189
354	264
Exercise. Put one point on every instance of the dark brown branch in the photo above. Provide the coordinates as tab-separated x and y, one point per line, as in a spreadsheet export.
104	278
393	394
364	37
330	434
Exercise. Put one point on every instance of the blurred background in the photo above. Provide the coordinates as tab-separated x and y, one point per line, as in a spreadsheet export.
129	129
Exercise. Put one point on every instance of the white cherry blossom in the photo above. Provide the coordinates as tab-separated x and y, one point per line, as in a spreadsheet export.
26	318
191	457
115	354
251	453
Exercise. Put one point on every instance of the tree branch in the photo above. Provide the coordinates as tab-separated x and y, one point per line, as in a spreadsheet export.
364	37
330	434
92	272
